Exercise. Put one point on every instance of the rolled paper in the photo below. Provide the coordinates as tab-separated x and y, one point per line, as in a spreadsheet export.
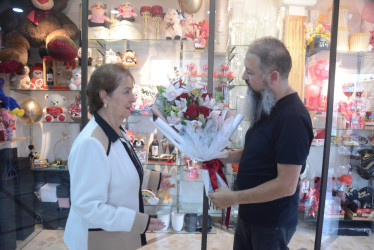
238	119
168	131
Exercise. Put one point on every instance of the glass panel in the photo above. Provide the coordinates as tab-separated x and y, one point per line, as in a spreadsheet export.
349	196
28	204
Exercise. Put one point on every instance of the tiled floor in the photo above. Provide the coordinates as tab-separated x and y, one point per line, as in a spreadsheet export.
220	239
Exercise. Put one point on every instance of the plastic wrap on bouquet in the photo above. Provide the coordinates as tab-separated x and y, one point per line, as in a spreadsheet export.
201	145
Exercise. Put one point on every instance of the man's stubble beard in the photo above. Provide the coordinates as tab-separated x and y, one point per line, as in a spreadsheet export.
259	103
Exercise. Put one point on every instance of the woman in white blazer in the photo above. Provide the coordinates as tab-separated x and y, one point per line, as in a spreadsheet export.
106	176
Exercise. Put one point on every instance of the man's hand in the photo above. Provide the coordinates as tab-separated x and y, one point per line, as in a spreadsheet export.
222	198
155	225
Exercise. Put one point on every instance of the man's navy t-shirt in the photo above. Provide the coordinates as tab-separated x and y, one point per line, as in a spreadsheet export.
282	137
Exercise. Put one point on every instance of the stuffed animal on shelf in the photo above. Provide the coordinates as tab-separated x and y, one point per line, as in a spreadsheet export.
21	80
165	196
130	58
7	125
173	27
8	102
126	12
97	16
42	25
56	110
37	77
75	81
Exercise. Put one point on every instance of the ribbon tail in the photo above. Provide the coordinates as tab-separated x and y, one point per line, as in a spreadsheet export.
227	221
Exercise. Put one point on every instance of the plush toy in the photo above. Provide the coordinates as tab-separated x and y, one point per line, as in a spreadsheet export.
130	58
56	110
37	77
97	16
7	125
75	81
126	12
8	102
173	27
21	80
43	24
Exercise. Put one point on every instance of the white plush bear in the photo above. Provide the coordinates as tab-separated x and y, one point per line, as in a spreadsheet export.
75	81
172	25
21	80
56	110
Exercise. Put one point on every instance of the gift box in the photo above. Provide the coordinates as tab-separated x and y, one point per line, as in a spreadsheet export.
48	192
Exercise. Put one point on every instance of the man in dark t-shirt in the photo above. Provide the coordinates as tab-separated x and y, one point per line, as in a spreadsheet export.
276	148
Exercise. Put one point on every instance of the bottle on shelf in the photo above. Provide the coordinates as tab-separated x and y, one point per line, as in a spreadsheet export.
49	75
154	147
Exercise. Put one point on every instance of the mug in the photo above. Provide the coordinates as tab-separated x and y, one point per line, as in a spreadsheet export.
164	216
177	220
190	219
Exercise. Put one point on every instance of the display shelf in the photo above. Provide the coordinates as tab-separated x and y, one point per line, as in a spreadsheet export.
14	139
26	91
50	169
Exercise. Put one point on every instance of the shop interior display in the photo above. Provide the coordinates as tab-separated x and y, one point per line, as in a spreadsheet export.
153	38
45	26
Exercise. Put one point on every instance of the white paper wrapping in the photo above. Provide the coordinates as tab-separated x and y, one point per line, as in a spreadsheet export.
205	145
207	183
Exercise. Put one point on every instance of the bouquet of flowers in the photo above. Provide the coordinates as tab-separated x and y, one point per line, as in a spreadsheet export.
198	124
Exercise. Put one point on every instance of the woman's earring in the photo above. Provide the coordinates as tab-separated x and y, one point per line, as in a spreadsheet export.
105	105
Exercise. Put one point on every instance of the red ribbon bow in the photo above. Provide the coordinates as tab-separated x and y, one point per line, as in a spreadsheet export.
216	166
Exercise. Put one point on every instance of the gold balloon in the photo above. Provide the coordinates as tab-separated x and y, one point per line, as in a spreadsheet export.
33	111
190	6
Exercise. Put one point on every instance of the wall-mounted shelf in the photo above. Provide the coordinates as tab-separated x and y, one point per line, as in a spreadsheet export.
13	140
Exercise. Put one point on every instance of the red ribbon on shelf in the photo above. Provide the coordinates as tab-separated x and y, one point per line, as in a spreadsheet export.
216	166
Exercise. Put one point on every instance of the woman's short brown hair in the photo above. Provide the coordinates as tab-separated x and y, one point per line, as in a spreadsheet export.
106	77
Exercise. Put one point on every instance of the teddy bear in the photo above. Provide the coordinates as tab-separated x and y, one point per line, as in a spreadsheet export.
8	102
37	77
172	25
75	81
56	110
42	25
21	80
126	12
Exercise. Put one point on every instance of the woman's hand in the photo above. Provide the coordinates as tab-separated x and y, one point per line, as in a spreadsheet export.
155	225
165	182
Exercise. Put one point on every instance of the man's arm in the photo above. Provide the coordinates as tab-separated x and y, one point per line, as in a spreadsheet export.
233	157
283	185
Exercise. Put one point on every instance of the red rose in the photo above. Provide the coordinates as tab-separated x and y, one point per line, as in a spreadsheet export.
205	111
183	95
192	112
207	94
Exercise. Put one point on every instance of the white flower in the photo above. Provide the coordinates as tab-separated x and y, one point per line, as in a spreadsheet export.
171	92
194	85
196	124
209	103
174	119
181	105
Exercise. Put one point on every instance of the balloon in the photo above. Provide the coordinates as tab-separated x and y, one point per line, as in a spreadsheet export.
321	69
33	111
312	92
367	12
190	6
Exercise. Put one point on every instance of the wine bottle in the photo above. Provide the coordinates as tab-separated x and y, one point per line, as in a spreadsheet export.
154	147
49	76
